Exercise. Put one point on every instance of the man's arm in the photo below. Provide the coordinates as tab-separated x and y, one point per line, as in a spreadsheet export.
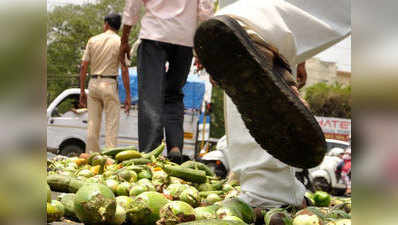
126	84
124	45
83	74
131	15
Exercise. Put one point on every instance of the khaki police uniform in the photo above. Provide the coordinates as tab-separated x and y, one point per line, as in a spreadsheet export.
102	52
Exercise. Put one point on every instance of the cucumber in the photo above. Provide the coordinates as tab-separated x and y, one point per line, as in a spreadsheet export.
91	158
205	213
213	198
145	174
218	185
58	183
128	154
196	176
55	211
65	184
199	166
139	161
145	209
74	185
100	161
137	168
275	215
156	152
206	187
112	152
176	212
214	222
68	201
48	193
94	204
191	196
204	194
236	207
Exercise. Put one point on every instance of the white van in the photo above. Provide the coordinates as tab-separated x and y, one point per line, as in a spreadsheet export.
67	126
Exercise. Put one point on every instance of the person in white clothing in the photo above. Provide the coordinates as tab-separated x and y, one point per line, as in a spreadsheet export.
260	44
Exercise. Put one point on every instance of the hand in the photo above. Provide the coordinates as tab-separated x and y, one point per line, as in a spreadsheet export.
301	75
124	50
198	65
127	105
297	93
213	82
83	100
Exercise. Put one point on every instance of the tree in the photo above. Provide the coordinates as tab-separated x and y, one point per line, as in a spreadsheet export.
217	126
329	100
69	28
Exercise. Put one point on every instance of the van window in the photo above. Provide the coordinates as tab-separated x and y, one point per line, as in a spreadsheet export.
331	145
67	107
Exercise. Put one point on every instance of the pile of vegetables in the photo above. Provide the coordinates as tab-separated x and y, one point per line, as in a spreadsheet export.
124	186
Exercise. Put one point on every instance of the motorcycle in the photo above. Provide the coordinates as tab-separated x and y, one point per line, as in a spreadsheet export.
217	161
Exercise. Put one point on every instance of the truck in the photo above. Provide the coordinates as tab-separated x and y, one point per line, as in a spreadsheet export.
67	123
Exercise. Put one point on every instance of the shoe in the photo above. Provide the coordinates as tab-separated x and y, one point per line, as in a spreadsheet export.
175	156
273	113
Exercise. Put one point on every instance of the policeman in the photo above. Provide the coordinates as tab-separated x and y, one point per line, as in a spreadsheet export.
101	54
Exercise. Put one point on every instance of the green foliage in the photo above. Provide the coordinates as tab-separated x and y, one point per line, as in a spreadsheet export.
68	104
329	100
68	30
217	126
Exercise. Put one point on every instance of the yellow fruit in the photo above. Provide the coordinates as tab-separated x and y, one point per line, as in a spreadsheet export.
95	169
81	161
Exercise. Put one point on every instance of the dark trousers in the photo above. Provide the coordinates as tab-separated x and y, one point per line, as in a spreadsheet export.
160	104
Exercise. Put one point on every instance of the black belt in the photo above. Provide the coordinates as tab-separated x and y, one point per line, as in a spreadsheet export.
104	76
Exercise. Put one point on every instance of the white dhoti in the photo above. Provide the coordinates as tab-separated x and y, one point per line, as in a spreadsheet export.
299	29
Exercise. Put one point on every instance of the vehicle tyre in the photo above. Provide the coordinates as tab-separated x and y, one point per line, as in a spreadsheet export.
339	192
71	150
303	177
321	184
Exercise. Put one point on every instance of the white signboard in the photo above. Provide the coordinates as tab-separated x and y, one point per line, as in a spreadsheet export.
335	128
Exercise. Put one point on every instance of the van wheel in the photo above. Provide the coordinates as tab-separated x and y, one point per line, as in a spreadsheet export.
321	184
71	150
339	192
304	178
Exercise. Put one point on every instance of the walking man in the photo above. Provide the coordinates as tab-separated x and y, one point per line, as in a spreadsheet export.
166	35
101	54
261	43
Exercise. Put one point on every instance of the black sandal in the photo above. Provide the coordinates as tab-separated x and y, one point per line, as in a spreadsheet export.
175	157
272	112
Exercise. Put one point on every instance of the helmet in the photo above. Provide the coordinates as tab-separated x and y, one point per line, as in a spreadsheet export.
336	151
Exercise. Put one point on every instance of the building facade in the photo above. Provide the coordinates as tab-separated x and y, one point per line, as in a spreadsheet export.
319	71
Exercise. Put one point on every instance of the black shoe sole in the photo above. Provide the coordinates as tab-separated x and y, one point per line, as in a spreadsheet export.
175	157
274	115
